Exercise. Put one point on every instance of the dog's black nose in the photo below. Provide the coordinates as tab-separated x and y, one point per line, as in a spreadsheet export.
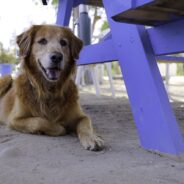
56	57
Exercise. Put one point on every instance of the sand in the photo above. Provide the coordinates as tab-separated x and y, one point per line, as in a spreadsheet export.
28	159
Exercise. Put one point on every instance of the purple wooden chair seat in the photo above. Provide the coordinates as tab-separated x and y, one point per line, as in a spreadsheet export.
151	12
136	48
146	12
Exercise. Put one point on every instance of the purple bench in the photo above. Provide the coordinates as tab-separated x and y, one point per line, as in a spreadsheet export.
136	48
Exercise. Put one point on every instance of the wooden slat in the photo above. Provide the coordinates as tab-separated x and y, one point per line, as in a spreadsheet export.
156	13
168	38
104	52
94	2
165	39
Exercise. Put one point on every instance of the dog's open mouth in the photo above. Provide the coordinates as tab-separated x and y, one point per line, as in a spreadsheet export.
51	73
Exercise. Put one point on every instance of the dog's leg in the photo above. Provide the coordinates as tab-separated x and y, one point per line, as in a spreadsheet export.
87	137
5	84
37	125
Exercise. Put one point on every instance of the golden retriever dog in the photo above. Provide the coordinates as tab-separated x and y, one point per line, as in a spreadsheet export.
43	99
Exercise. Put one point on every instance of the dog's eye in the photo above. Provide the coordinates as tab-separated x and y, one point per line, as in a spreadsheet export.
63	42
42	41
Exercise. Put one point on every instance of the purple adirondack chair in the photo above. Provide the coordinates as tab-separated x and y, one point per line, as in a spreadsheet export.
136	47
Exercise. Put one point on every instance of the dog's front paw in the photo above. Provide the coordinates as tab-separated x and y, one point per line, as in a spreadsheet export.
55	130
91	142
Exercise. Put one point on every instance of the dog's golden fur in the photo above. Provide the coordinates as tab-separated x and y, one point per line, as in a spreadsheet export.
33	103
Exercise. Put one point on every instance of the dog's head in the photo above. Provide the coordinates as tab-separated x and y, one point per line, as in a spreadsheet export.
52	49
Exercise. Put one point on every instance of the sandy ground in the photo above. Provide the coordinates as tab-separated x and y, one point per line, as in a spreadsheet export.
28	159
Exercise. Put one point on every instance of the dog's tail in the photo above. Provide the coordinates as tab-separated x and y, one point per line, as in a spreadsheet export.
5	84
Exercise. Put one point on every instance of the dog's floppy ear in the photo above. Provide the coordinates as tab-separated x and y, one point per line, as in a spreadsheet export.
76	47
24	41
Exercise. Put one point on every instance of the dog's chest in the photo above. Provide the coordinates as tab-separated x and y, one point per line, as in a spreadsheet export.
52	109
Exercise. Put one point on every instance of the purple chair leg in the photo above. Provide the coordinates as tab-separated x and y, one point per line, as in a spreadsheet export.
64	12
156	124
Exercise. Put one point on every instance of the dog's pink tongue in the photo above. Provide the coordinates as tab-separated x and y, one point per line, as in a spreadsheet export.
53	74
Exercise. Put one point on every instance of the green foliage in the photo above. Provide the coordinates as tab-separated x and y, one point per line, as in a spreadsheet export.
54	2
6	56
180	69
115	69
105	26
